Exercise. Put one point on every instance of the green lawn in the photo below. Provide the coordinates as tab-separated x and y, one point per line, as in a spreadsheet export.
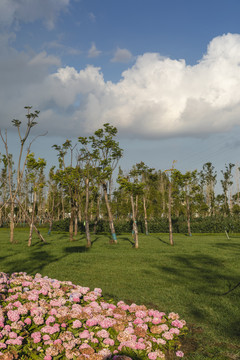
188	278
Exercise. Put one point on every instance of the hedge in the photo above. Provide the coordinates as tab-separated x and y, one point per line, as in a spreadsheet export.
198	225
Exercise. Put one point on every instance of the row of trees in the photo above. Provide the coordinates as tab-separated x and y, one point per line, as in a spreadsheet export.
80	187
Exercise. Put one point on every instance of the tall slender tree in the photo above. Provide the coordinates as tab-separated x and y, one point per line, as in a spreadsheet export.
132	187
34	175
13	191
226	184
208	178
107	154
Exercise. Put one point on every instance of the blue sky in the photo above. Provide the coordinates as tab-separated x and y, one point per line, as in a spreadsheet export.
165	72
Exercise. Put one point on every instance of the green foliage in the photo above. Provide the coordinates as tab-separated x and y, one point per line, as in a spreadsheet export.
199	225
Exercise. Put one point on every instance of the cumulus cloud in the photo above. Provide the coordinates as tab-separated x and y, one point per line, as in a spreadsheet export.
93	51
17	11
122	56
157	97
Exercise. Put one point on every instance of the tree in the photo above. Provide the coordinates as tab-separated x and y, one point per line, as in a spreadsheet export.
13	191
132	187
4	185
35	170
53	201
68	177
189	188
208	180
226	183
107	153
144	172
87	164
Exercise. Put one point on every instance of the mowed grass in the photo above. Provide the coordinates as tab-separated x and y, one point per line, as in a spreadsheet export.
189	278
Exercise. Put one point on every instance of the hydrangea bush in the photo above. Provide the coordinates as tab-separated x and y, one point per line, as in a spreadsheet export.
43	318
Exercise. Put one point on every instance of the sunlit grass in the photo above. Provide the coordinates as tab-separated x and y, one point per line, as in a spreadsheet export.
188	278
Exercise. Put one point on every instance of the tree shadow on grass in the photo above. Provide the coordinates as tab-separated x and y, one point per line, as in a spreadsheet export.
127	239
36	262
96	239
75	249
60	236
227	245
40	244
163	241
204	277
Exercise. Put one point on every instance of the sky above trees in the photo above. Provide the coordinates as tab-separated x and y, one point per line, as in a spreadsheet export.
165	73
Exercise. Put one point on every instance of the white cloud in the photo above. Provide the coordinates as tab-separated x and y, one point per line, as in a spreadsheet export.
57	46
122	55
93	51
15	11
92	17
157	97
43	59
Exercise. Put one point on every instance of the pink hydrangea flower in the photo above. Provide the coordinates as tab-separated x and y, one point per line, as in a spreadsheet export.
179	353
12	335
156	320
152	355
168	335
38	320
107	323
108	341
13	315
46	337
92	322
50	319
84	335
77	324
103	334
36	337
138	321
177	323
140	314
28	321
140	346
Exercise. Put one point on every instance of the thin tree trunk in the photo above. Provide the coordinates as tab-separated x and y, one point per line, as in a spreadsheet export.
135	227
75	219
12	223
51	215
30	234
89	244
170	213
110	217
188	214
75	224
63	208
29	221
163	194
97	215
71	224
145	215
50	225
136	209
32	220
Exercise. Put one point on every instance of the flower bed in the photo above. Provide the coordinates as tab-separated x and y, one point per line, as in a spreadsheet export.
43	318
